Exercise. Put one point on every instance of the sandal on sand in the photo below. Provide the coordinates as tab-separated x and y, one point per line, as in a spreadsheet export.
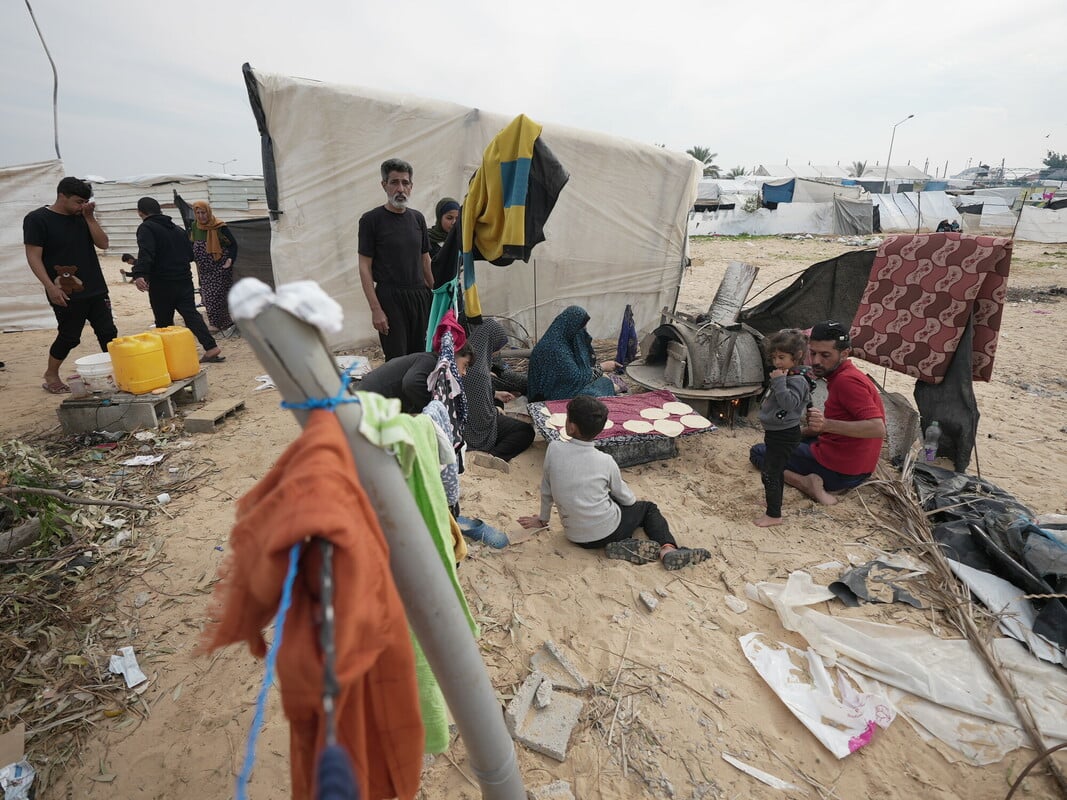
56	388
212	359
488	460
636	551
684	556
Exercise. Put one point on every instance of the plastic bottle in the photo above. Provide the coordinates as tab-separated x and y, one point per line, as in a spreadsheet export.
930	440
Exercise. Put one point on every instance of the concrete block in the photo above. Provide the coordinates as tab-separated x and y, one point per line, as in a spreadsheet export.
123	411
191	390
649	600
110	414
546	730
208	418
554	664
557	790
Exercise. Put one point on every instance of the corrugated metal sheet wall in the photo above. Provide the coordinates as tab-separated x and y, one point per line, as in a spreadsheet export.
116	204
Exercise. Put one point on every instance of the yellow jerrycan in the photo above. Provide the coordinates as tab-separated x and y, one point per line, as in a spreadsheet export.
139	363
179	348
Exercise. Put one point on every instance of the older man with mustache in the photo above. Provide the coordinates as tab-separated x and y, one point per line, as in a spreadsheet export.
394	265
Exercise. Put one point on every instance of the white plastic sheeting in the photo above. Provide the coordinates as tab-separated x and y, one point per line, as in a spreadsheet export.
805	191
941	686
617	234
910	211
23	188
1042	225
812	218
997	215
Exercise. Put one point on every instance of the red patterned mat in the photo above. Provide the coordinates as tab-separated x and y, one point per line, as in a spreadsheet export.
662	413
922	291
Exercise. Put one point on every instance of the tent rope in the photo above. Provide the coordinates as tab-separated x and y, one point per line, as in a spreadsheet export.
268	673
329	403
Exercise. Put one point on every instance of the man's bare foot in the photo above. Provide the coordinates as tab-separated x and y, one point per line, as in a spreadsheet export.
764	521
812	486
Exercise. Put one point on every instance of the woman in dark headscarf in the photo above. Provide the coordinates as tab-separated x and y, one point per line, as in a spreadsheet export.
488	430
446	212
563	364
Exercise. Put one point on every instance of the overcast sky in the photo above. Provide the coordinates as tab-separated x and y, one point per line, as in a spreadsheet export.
158	89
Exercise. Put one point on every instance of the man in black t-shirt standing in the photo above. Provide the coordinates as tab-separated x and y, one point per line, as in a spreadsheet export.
394	265
162	269
66	234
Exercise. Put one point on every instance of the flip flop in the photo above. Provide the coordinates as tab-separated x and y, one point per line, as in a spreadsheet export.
212	359
684	557
636	551
56	388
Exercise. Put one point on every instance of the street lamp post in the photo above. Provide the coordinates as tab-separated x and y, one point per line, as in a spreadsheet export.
885	178
222	164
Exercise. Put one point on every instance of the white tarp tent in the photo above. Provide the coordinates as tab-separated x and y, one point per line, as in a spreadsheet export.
809	191
617	234
23	188
911	211
997	215
1042	225
814	218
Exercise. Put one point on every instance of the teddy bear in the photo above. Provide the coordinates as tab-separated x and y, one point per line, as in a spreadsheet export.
67	280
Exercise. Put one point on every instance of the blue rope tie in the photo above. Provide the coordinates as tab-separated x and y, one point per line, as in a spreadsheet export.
329	403
268	679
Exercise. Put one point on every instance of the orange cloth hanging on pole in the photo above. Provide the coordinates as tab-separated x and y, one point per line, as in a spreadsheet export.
314	491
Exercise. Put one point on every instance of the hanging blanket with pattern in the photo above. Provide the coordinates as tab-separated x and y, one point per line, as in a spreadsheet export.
922	290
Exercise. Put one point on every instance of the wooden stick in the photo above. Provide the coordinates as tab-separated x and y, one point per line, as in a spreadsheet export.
66	498
17	538
622	661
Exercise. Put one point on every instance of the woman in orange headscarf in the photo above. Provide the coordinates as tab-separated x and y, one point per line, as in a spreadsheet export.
215	251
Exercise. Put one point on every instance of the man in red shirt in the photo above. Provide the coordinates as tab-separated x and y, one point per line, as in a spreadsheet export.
844	441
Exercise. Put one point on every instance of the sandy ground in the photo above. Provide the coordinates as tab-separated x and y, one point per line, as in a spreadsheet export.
690	693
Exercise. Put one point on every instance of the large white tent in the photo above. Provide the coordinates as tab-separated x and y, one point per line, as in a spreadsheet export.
1042	225
905	212
617	234
23	305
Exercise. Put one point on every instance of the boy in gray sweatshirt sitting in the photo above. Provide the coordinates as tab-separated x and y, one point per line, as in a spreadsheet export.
595	505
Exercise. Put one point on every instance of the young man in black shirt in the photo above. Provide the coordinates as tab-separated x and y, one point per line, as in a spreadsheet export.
67	234
162	269
394	265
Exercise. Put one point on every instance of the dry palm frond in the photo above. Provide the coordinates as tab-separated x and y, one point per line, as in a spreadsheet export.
913	524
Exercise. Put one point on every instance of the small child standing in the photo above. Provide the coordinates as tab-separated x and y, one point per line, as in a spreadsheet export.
787	398
595	505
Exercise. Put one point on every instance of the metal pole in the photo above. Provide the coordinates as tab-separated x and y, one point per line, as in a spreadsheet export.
892	138
55	80
294	354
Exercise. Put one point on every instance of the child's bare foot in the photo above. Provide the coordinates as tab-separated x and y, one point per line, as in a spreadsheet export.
765	521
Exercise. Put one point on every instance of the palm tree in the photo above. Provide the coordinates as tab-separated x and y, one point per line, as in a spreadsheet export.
736	172
707	158
857	169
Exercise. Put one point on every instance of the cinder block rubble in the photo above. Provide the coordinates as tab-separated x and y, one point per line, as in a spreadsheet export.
546	730
554	664
557	790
